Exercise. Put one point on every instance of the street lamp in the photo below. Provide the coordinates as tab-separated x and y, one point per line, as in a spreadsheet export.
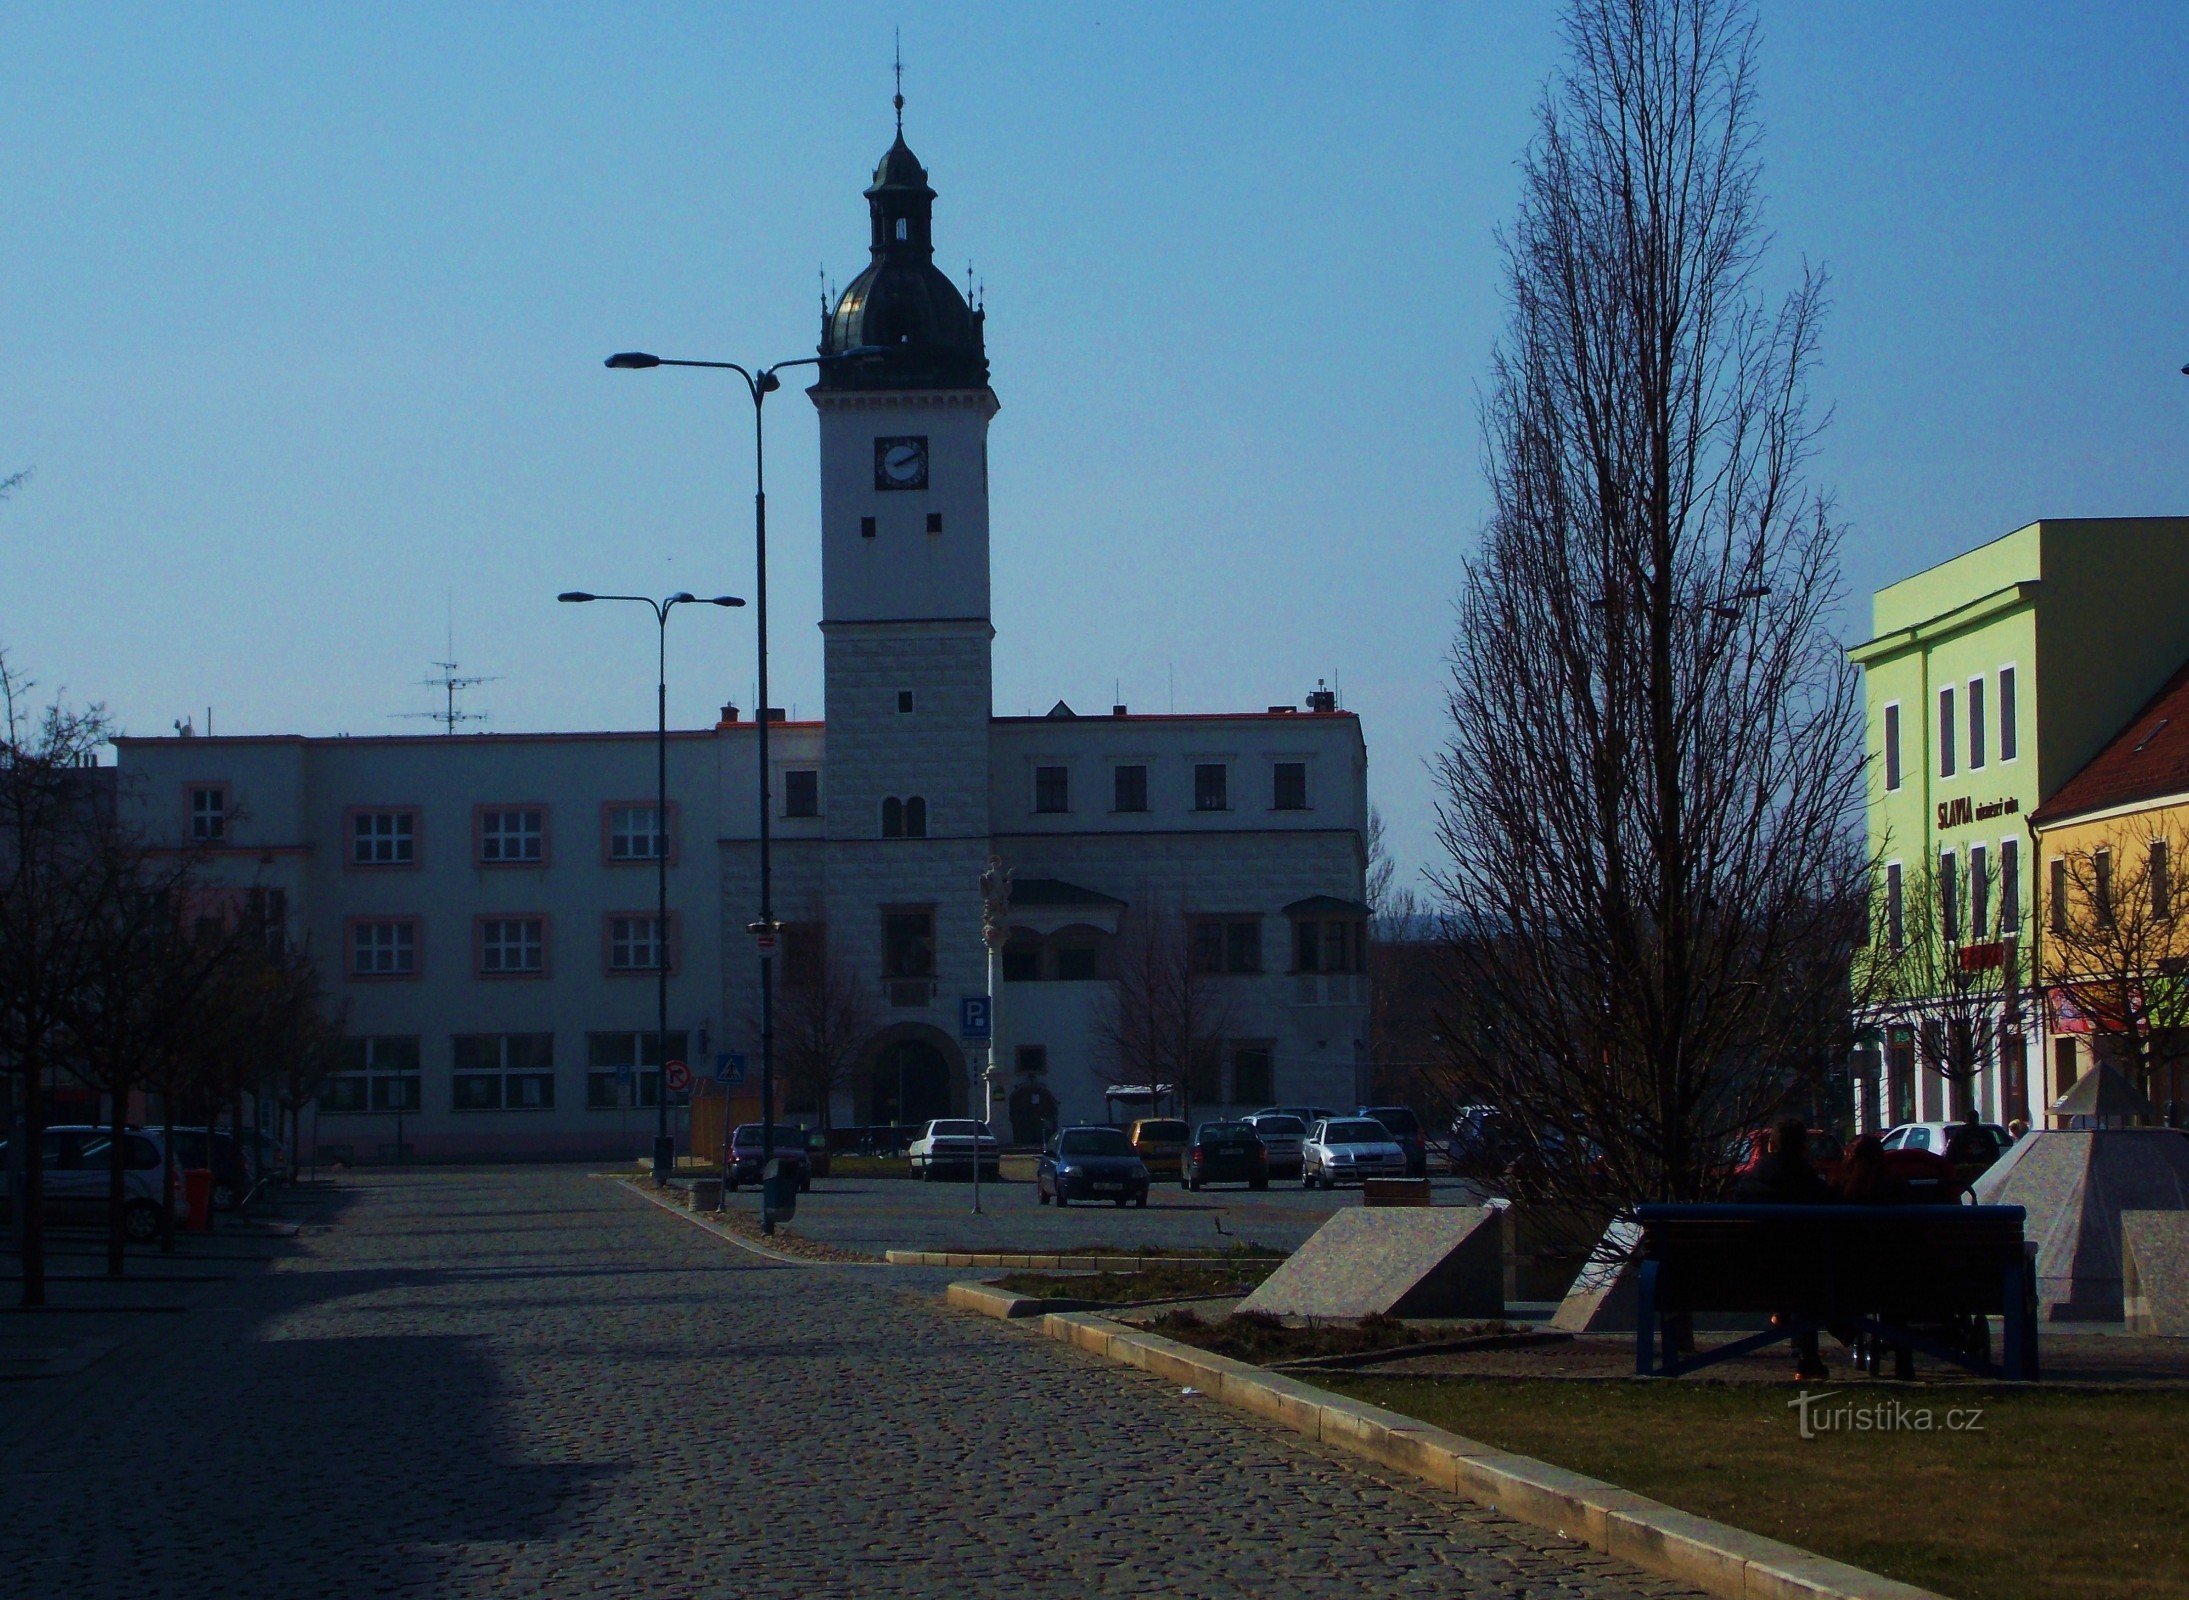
664	1146
760	382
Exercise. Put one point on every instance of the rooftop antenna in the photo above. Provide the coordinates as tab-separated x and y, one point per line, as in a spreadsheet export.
899	102
448	683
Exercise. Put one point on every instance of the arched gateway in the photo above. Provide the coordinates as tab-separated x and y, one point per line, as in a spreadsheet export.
913	1072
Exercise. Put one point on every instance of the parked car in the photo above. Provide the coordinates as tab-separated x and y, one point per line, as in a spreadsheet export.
1090	1163
1405	1127
1938	1138
948	1145
77	1171
749	1156
1160	1143
1281	1134
1225	1152
1349	1150
1308	1115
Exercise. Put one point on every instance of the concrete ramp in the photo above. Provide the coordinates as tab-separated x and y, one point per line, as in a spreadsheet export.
1434	1261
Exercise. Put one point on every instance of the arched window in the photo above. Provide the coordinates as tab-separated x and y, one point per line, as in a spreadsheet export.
915	818
904	227
893	818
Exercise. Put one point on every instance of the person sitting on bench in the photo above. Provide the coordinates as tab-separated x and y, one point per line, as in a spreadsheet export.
1785	1178
1866	1180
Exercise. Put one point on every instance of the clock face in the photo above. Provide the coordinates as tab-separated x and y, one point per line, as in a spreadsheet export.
900	463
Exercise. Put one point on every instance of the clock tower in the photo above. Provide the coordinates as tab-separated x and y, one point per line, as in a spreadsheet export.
904	533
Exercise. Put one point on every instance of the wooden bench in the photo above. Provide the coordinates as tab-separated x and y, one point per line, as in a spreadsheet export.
1904	1276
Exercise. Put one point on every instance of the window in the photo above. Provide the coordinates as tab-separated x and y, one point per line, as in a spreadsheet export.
904	700
1052	789
2056	917
866	527
636	942
1945	733
1033	1058
904	228
2006	714
802	793
1896	908
209	813
377	1074
383	838
1949	897
1077	962
1253	1074
2101	869
1225	944
1129	789
1291	786
513	836
512	947
1979	893
1022	959
1205	1072
384	949
1892	746
1976	723
904	819
1337	945
266	919
623	1070
1211	786
934	522
502	1072
2063	1066
908	944
2162	894
636	833
2010	888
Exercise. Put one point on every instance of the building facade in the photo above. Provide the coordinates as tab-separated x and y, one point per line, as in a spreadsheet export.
1990	679
485	901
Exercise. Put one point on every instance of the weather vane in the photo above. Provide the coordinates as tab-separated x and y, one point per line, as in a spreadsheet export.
900	82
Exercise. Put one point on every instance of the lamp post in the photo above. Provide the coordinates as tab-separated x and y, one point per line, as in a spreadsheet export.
664	1146
760	382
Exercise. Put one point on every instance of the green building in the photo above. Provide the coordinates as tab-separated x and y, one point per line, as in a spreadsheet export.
1990	679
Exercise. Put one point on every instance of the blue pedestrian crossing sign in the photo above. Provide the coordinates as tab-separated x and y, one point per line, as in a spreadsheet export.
729	1066
973	1018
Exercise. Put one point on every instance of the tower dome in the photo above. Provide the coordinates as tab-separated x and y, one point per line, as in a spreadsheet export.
902	304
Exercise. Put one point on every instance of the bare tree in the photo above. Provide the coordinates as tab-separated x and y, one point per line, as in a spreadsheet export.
1162	1017
1652	788
1934	968
2116	951
826	1012
50	935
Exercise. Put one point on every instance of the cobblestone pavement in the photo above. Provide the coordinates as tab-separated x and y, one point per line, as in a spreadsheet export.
526	1382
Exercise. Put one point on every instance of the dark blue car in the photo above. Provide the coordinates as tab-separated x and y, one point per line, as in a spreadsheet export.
1093	1163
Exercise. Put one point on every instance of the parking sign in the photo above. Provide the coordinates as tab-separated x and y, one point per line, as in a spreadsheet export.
973	1018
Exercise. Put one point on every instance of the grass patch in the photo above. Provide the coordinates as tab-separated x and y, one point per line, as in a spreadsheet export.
2058	1495
1167	1280
849	1166
1261	1338
1229	1252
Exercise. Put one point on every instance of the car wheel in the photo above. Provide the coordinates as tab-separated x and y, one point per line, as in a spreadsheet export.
1141	1200
1061	1202
805	1186
140	1222
1258	1183
1120	1202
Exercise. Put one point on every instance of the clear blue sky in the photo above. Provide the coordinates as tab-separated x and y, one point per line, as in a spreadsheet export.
302	310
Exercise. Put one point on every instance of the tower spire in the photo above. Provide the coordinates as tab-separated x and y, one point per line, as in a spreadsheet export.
899	101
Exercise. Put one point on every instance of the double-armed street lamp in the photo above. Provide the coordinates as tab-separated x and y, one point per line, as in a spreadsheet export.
664	1146
760	382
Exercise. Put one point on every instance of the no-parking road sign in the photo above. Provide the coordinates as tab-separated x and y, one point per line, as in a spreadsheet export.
677	1076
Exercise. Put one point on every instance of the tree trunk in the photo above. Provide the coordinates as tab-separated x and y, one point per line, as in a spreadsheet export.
34	1183
117	1182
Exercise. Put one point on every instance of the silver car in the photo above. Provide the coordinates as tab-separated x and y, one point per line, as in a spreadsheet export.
1281	1134
77	1172
1349	1150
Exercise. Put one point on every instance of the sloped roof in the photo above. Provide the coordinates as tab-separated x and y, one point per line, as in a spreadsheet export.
2147	759
1325	905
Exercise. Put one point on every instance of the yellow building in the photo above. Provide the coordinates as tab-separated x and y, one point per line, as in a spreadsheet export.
2112	920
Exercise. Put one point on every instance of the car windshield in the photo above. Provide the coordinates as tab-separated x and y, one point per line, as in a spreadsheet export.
1164	1130
1095	1142
1283	1127
1224	1132
1397	1119
1355	1132
955	1129
785	1133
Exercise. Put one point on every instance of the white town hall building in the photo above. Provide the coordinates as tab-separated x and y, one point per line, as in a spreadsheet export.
484	903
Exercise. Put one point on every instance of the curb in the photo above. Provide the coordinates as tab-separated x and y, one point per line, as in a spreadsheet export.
699	1220
1052	1263
991	1301
1721	1560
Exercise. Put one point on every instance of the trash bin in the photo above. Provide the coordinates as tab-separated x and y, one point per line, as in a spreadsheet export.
706	1194
779	1193
197	1199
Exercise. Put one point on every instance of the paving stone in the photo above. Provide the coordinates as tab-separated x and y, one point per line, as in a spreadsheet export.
524	1383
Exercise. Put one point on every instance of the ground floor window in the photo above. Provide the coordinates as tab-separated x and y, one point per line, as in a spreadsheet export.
1900	1075
379	1073
1253	1074
2063	1066
503	1071
623	1070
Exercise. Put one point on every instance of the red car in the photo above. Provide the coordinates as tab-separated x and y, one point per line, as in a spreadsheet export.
1825	1152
